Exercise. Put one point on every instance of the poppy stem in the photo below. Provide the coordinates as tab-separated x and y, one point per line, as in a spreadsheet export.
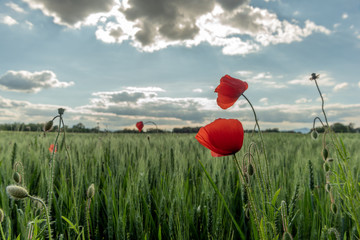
152	123
262	141
322	103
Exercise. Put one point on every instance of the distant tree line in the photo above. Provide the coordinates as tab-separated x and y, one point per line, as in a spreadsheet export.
80	128
341	128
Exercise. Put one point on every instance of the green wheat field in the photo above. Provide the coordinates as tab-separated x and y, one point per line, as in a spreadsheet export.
152	186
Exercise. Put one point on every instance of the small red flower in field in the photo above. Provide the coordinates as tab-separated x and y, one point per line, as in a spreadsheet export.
229	90
51	148
223	137
140	126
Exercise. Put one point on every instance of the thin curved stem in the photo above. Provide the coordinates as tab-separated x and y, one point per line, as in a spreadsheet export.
262	141
322	103
152	123
46	213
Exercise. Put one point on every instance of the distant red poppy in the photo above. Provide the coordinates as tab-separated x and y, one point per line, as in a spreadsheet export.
229	90
51	148
223	137
140	126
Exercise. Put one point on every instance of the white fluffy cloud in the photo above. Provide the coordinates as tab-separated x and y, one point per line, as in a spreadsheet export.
8	20
324	80
30	82
261	79
340	86
235	26
303	100
15	7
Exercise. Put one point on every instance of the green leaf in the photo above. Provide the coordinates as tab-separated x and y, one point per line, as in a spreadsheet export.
159	233
273	201
223	201
72	226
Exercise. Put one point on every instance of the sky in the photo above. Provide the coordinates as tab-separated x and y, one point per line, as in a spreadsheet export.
112	63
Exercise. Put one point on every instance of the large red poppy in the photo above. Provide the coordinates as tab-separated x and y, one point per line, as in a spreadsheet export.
140	126
229	90
223	137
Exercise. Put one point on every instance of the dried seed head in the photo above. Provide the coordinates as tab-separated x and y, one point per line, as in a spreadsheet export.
314	134
314	76
61	111
17	192
325	153
1	215
90	191
17	177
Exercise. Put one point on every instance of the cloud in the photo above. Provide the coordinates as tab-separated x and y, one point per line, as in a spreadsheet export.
344	16
262	79
303	100
8	20
264	101
71	13
28	82
340	86
324	80
197	90
121	109
235	26
359	84
15	7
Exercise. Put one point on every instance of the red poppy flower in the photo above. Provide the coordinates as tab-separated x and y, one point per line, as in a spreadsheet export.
51	148
229	90
223	137
140	126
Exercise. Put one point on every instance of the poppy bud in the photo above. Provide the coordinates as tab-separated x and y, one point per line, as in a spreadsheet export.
90	191
17	192
314	134
325	153
48	126
333	208
326	167
61	111
328	187
251	170
1	215
17	177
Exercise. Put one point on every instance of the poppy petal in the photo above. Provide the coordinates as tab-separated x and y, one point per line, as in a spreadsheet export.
229	90
223	137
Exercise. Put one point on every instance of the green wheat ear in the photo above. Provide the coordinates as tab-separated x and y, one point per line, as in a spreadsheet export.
17	192
311	176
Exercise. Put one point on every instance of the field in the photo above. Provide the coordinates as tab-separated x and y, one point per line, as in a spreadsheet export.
153	187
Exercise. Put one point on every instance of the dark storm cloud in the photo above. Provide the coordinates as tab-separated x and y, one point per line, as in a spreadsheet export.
70	12
232	4
174	20
30	82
